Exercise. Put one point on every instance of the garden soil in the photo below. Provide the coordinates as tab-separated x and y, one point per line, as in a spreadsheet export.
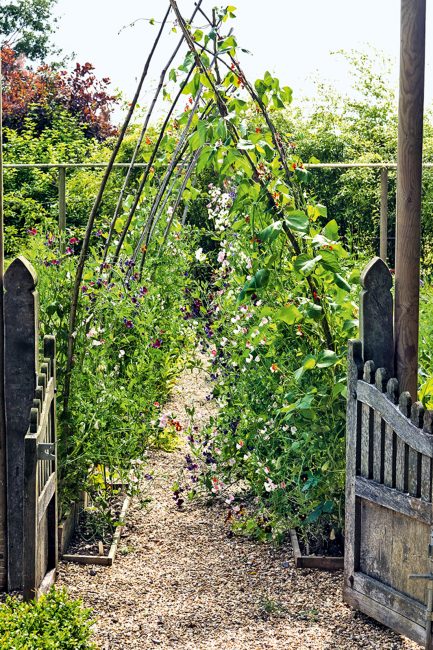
183	580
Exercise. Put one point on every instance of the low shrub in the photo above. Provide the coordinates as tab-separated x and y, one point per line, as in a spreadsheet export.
54	622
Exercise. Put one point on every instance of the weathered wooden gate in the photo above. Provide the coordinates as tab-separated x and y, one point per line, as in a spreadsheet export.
40	482
31	508
389	523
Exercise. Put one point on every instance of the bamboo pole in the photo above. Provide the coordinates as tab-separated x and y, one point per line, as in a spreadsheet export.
409	173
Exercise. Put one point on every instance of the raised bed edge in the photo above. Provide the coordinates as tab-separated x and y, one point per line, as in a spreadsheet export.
323	562
103	560
66	528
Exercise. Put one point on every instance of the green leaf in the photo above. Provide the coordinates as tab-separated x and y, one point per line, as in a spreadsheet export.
313	311
350	324
305	265
302	174
290	314
298	373
309	362
341	282
329	261
326	358
322	210
330	231
172	76
258	281
297	220
245	145
270	233
221	129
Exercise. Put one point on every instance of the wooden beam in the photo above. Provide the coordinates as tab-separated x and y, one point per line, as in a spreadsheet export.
409	172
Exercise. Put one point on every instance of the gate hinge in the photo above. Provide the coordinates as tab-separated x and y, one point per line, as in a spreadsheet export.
46	451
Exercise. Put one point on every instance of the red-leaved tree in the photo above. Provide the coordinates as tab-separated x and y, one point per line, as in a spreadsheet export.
40	92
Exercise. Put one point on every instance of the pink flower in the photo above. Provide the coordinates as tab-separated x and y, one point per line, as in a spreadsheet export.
213	352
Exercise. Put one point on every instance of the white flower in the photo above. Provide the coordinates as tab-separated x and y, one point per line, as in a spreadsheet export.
199	255
221	256
121	353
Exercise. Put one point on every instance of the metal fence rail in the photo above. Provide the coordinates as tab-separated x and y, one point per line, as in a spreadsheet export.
62	168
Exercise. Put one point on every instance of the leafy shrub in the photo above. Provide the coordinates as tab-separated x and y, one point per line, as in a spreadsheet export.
53	622
131	341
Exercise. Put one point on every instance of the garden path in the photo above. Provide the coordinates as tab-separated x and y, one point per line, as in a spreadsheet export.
182	581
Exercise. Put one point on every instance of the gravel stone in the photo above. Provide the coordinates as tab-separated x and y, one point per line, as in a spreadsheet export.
185	582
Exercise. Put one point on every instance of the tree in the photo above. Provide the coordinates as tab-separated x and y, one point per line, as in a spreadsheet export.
27	26
40	93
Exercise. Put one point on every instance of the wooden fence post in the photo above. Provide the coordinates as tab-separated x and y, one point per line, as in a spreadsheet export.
62	199
409	173
376	315
384	213
21	314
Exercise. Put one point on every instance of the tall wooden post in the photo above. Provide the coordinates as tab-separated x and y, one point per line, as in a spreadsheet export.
409	171
62	199
384	213
3	482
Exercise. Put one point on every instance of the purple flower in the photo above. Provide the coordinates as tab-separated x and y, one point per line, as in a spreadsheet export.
128	323
157	343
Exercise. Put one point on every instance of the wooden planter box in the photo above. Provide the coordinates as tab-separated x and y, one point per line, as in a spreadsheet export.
103	560
323	562
67	528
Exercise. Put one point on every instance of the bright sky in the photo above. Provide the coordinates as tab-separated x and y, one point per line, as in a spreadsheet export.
292	38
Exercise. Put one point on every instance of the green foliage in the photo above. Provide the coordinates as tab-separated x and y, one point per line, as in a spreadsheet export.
54	621
279	313
31	194
360	127
131	341
27	26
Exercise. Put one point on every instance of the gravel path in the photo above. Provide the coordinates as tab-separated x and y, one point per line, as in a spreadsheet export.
181	581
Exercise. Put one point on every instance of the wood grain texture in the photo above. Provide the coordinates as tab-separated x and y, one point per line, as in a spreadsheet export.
396	418
21	358
409	176
376	315
353	413
393	499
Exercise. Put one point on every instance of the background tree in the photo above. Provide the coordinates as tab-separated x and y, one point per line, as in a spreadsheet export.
27	26
41	92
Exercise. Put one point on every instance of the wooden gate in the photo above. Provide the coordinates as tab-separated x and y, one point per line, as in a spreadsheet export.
40	483
31	508
389	533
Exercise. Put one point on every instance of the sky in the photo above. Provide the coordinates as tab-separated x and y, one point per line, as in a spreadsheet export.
291	38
